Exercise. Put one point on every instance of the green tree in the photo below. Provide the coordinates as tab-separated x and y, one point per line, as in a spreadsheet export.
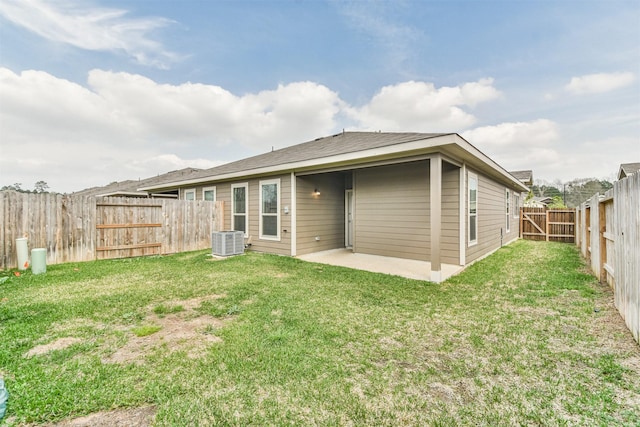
579	190
15	187
41	187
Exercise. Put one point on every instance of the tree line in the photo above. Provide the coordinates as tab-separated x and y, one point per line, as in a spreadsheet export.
39	187
570	194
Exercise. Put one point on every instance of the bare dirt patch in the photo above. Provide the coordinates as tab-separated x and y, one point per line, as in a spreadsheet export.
186	330
134	417
59	344
193	303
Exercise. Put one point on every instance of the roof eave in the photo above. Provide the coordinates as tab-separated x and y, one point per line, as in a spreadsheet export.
318	163
427	144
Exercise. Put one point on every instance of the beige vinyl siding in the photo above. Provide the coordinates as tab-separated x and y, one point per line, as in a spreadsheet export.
320	215
491	219
282	247
223	193
392	211
450	241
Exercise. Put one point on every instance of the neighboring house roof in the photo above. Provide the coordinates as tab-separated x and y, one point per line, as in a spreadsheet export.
526	177
545	199
627	169
538	202
345	149
129	188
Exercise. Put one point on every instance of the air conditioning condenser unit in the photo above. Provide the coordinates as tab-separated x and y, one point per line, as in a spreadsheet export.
226	243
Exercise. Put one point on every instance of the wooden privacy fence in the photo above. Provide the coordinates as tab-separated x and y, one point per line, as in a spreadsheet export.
555	225
608	234
77	228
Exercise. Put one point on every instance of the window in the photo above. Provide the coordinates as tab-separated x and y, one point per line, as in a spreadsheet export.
190	194
516	205
239	202
508	209
473	209
209	194
269	209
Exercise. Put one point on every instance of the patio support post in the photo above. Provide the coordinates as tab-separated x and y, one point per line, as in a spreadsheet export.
463	214
435	182
293	213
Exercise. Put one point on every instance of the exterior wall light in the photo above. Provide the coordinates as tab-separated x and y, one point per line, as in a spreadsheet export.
316	192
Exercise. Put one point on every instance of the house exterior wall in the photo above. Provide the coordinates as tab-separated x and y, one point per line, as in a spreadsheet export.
450	240
320	215
491	218
223	193
392	211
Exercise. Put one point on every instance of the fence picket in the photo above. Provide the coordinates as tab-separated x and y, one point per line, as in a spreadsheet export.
556	225
78	228
609	238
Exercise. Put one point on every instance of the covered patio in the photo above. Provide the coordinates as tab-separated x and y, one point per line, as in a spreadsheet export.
409	268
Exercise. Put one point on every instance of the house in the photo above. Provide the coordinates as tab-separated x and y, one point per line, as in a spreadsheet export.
538	202
627	169
423	196
129	188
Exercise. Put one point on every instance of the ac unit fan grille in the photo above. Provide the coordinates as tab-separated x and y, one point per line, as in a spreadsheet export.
226	243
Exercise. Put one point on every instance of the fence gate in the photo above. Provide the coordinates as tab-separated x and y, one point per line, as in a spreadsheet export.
128	228
555	225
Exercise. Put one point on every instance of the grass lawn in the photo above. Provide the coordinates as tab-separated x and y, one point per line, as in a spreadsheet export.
524	337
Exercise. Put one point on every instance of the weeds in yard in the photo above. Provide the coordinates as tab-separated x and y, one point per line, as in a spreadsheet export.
146	330
513	340
162	310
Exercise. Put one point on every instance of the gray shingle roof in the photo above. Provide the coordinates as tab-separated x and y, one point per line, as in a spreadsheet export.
523	176
630	168
130	187
341	143
341	149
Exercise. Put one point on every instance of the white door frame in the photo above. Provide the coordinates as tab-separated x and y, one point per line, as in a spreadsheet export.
348	218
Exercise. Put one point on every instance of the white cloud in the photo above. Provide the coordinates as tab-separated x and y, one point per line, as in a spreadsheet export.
197	112
422	107
519	145
599	83
126	124
537	132
97	29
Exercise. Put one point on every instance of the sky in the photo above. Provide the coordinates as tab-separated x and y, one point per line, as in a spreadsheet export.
93	92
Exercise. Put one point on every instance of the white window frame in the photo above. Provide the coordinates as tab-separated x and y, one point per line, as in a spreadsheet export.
472	176
244	185
206	189
189	191
507	207
516	205
277	214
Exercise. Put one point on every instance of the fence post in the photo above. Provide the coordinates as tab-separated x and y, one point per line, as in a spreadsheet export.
602	227
546	211
521	221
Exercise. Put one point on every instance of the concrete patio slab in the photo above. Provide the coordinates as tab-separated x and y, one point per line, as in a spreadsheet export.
412	269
